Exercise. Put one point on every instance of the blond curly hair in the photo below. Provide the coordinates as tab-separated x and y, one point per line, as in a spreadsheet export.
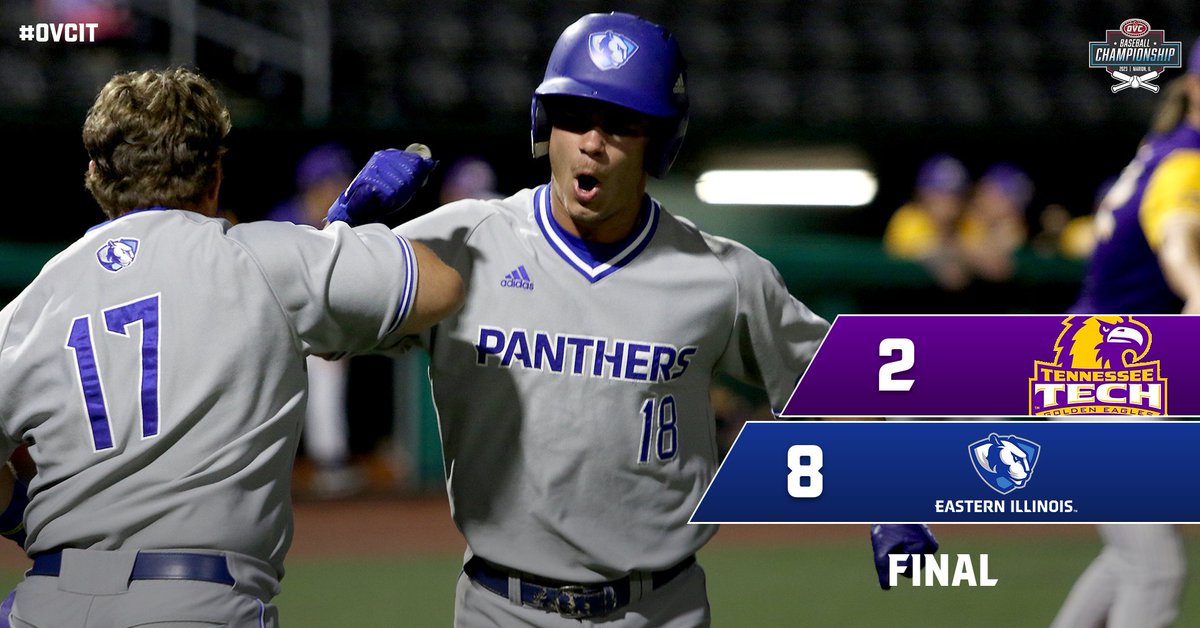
155	138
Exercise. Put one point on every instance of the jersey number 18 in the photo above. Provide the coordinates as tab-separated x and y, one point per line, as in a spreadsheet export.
658	417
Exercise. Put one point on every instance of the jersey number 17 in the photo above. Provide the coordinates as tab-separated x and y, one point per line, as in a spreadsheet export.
116	322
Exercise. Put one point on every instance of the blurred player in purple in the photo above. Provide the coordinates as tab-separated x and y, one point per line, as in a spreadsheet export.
1146	261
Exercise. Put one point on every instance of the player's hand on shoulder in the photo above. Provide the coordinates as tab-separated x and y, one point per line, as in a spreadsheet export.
389	180
908	538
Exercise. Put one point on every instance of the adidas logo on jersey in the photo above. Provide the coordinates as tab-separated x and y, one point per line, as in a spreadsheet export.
517	279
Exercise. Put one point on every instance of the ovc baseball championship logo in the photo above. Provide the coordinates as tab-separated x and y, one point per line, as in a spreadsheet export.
1134	55
1004	463
117	254
1099	367
610	50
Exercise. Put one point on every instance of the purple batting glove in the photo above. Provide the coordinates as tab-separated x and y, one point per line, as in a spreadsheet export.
6	608
909	538
388	182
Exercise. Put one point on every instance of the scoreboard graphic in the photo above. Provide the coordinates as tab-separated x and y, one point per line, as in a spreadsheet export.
1042	419
1000	366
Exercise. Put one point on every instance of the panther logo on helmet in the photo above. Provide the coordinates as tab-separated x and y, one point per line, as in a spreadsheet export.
610	50
580	66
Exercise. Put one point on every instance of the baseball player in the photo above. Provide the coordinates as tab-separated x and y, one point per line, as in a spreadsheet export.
573	388
155	368
1146	260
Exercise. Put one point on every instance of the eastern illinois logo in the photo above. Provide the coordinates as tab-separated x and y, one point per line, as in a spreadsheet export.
117	253
1005	463
610	50
1099	367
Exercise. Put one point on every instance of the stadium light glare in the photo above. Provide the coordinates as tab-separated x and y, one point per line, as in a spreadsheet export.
811	187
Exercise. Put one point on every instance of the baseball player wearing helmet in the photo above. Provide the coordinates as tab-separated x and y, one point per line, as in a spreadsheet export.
155	368
573	387
1146	260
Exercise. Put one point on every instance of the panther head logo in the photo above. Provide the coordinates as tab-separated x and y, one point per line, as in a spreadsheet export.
117	254
1005	463
610	50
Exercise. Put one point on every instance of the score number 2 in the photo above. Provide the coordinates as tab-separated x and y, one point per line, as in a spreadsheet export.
887	373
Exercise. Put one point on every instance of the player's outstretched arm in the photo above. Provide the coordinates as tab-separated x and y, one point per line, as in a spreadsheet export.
389	180
909	538
439	291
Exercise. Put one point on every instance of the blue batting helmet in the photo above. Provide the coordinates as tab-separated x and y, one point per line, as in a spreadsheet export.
624	60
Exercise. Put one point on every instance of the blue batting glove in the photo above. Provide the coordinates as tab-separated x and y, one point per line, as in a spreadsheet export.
908	538
388	182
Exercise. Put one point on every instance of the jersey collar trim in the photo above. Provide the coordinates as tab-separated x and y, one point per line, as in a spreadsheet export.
155	208
591	262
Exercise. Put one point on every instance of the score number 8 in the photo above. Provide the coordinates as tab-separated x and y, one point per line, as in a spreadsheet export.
805	461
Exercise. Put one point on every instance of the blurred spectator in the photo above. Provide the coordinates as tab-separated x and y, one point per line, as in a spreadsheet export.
1070	237
1064	236
321	175
469	177
1052	224
925	229
993	225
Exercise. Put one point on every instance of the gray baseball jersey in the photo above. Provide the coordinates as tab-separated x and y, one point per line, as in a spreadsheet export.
572	389
156	367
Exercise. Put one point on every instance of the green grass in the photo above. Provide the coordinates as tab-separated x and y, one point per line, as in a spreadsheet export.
369	593
817	584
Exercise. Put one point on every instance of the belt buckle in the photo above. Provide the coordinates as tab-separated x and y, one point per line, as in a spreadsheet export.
564	602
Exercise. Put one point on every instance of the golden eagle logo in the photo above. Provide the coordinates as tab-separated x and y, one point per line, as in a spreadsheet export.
1102	342
1099	367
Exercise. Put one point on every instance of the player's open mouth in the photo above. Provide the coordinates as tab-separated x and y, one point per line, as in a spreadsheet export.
587	182
586	187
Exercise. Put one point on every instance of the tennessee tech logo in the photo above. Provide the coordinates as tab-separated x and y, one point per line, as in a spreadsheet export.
117	254
610	50
1099	367
1004	463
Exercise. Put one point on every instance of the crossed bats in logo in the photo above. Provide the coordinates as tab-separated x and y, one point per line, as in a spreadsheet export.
1135	81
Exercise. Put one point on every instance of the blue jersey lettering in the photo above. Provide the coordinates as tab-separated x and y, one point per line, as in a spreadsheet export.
635	361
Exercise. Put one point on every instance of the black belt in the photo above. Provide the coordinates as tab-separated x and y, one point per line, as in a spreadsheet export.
154	566
574	601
